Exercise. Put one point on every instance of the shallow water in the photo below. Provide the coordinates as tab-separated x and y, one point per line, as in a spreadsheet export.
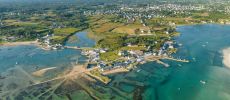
34	57
202	45
17	63
82	40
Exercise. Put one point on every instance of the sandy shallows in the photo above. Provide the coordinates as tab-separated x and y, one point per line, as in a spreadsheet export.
226	57
41	72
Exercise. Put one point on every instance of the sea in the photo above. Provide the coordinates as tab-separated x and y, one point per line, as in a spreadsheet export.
205	77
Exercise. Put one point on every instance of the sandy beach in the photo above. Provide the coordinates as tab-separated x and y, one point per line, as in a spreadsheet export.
20	43
226	57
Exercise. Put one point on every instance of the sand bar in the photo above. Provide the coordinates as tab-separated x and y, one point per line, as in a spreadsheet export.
20	43
41	72
226	57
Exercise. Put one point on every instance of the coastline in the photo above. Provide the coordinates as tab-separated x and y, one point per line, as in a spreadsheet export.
20	43
201	24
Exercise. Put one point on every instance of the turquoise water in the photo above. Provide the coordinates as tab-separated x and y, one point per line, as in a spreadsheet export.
32	57
17	63
202	45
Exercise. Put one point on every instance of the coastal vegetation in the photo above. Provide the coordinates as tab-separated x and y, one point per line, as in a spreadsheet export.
97	74
109	56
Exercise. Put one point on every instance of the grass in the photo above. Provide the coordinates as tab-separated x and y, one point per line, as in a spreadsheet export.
94	35
1	42
125	29
109	56
100	19
57	39
17	23
99	76
130	28
92	19
64	31
134	48
172	51
103	23
61	35
10	21
106	27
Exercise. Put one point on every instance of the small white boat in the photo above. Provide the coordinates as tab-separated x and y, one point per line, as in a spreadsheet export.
202	82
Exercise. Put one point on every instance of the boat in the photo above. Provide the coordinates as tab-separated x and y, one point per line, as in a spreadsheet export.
202	82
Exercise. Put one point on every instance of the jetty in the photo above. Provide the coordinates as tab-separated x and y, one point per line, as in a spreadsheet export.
165	64
178	60
78	48
155	58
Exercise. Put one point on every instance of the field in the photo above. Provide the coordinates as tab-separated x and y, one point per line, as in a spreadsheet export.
106	27
64	31
130	29
109	56
60	34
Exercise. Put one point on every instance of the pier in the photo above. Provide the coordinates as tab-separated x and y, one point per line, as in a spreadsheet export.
154	58
165	64
78	48
178	60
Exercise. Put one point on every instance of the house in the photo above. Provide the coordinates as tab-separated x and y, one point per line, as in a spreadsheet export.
123	53
120	53
166	32
102	51
171	46
12	38
138	52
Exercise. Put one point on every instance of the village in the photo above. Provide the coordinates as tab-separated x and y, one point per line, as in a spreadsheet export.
129	59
